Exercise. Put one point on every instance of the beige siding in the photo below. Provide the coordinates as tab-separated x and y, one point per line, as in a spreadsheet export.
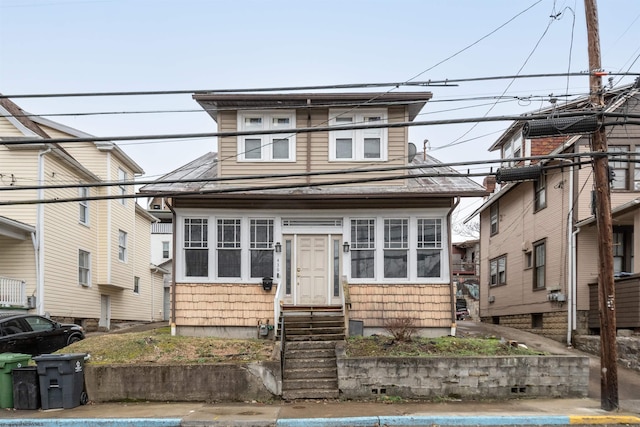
64	236
18	261
519	229
587	264
428	305
7	129
222	305
313	158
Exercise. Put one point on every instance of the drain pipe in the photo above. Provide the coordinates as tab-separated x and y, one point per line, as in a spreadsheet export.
571	271
172	309
38	242
452	287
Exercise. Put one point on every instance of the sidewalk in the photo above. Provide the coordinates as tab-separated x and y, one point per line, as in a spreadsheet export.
321	413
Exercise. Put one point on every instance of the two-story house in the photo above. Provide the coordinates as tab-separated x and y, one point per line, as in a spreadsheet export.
86	260
293	213
539	259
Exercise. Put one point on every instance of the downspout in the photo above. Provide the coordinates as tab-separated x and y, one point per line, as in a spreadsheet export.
452	287
39	237
571	270
172	317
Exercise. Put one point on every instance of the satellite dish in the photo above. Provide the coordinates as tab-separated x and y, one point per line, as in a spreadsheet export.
412	151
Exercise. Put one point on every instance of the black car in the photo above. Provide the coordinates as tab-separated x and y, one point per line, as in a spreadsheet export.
32	334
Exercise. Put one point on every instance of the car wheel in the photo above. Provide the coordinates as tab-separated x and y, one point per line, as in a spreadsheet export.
72	339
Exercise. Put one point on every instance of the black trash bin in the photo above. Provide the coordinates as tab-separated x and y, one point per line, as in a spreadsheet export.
61	380
26	388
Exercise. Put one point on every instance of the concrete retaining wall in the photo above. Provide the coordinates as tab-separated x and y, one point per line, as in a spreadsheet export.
464	377
203	383
407	377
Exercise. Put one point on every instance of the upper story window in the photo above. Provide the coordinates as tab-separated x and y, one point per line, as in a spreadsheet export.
513	148
357	144
136	285
493	218
498	271
84	268
540	193
539	265
83	205
165	250
267	148
122	246
621	166
622	249
122	179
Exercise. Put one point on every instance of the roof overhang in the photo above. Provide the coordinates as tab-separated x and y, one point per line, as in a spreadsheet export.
15	229
620	214
214	102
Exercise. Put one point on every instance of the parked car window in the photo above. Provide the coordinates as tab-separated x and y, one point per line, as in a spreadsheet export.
12	327
39	323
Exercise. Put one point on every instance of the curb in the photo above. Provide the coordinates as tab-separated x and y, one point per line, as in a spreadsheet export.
93	422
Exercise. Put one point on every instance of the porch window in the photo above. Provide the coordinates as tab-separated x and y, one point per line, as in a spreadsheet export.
84	268
363	245
229	248
539	264
336	267
429	247
498	271
261	247
288	275
396	246
196	247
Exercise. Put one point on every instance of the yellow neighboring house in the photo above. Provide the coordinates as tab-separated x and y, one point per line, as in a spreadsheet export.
85	261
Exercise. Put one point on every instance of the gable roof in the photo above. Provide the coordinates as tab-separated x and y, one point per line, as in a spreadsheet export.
29	125
425	178
214	102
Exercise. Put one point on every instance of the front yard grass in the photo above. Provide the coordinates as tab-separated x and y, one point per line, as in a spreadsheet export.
159	347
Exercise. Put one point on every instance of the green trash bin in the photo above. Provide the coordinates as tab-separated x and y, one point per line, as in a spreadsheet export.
9	361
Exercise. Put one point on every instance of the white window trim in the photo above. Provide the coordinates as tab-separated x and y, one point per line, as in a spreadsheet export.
412	267
124	247
358	135
266	152
88	284
84	192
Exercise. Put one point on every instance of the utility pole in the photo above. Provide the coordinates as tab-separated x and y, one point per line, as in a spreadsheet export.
606	288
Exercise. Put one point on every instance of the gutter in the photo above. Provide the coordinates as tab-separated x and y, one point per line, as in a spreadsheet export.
38	241
172	309
452	287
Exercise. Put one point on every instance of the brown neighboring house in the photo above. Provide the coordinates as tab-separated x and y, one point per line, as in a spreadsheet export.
539	259
359	222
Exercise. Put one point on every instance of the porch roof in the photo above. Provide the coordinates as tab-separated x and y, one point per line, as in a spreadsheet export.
622	214
15	229
425	178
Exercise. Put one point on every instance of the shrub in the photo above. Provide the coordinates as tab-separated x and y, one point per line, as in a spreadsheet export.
401	328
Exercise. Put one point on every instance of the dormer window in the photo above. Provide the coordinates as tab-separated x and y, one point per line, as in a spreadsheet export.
267	148
513	148
358	144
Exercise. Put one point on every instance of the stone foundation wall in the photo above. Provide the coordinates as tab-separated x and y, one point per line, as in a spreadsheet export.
554	324
628	349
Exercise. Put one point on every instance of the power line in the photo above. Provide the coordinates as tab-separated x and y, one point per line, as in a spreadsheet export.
439	83
24	141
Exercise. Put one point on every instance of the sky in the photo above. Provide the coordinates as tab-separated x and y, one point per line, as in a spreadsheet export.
80	46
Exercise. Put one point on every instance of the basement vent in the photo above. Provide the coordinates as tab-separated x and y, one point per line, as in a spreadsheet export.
312	222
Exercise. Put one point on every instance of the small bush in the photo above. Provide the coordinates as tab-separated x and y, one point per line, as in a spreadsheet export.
401	329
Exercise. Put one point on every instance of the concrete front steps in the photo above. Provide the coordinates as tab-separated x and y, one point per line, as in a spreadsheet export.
310	369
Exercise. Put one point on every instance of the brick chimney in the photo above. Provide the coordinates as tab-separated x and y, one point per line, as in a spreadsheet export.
489	183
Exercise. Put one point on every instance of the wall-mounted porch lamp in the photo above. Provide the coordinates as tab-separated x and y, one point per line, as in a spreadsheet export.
278	247
345	247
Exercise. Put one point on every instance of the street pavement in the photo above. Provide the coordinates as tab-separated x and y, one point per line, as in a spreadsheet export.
330	413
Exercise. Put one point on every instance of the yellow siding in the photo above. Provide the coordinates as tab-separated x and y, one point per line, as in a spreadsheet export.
19	168
7	129
428	305
222	305
18	261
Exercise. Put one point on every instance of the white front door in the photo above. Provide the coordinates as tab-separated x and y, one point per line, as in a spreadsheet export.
312	272
105	312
